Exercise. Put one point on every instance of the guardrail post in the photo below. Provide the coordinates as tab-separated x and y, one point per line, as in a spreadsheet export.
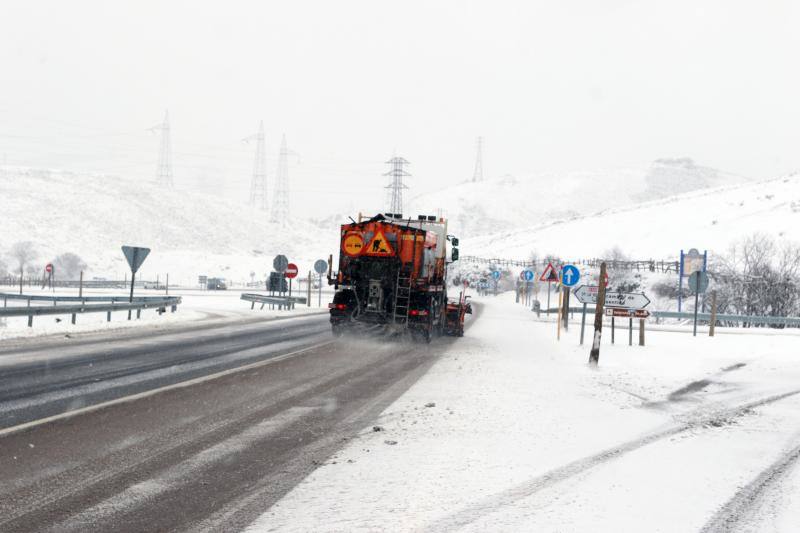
73	319
138	314
108	316
174	307
30	321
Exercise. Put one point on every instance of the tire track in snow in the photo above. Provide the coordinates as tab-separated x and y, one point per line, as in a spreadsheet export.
495	502
737	512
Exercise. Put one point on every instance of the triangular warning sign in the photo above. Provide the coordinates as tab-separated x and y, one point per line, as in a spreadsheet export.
549	273
379	246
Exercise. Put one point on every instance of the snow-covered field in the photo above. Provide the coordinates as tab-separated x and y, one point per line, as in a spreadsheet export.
196	305
709	219
189	233
511	430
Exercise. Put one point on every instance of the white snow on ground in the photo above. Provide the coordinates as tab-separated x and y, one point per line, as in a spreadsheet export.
196	305
525	436
503	203
708	218
190	233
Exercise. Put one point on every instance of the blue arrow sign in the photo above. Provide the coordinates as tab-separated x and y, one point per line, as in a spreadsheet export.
496	274
570	275
528	274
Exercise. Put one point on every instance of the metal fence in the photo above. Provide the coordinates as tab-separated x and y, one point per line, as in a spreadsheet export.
280	301
642	265
86	304
722	319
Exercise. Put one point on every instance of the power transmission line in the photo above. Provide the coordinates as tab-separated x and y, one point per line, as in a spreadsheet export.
258	185
477	175
396	187
280	200
164	169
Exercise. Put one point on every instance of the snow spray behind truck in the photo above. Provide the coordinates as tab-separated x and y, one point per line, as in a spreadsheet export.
392	275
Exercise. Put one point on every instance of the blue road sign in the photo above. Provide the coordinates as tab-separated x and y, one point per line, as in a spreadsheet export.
528	274
496	274
570	275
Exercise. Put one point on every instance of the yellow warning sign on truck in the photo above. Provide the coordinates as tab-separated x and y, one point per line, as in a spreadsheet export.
352	244
379	246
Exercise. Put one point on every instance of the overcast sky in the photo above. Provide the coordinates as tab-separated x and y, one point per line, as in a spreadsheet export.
552	85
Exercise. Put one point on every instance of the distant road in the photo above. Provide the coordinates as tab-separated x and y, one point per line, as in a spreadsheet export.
211	455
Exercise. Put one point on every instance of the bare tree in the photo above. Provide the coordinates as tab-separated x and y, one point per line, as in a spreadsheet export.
23	252
68	266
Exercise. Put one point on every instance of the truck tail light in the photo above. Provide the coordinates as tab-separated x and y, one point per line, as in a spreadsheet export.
418	312
338	307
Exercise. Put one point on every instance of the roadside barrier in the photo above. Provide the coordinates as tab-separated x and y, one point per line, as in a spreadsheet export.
88	304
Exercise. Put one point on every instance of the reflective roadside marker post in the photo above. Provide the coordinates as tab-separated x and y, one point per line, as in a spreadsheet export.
594	354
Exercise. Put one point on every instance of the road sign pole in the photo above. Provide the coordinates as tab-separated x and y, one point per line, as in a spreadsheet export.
133	276
613	329
558	320
566	309
696	298
630	331
80	286
320	290
713	324
594	353
583	322
680	282
308	296
548	297
641	332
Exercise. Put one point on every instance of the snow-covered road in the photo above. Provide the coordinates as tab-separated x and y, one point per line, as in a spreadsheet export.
512	431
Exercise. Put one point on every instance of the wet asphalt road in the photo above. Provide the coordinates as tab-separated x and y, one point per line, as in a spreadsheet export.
207	457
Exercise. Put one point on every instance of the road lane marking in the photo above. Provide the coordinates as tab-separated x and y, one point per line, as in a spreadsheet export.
152	392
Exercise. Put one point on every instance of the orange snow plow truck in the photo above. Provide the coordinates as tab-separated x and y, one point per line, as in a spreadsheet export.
392	277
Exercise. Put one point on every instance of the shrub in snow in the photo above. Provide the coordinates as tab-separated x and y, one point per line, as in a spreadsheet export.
69	266
758	277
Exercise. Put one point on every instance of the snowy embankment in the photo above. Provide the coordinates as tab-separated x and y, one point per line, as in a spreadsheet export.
197	306
513	431
709	219
190	233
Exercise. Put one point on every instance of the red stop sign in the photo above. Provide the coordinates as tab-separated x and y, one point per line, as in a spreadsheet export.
48	267
291	271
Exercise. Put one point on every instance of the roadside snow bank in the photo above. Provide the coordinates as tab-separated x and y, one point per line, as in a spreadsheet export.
512	431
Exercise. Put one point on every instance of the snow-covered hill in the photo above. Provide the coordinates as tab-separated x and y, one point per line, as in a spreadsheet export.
505	203
706	219
190	233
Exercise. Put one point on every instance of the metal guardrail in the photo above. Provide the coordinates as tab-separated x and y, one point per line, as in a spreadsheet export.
739	319
109	305
705	317
55	299
280	301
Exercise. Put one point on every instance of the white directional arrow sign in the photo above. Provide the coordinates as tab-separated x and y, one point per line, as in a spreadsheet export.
626	300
